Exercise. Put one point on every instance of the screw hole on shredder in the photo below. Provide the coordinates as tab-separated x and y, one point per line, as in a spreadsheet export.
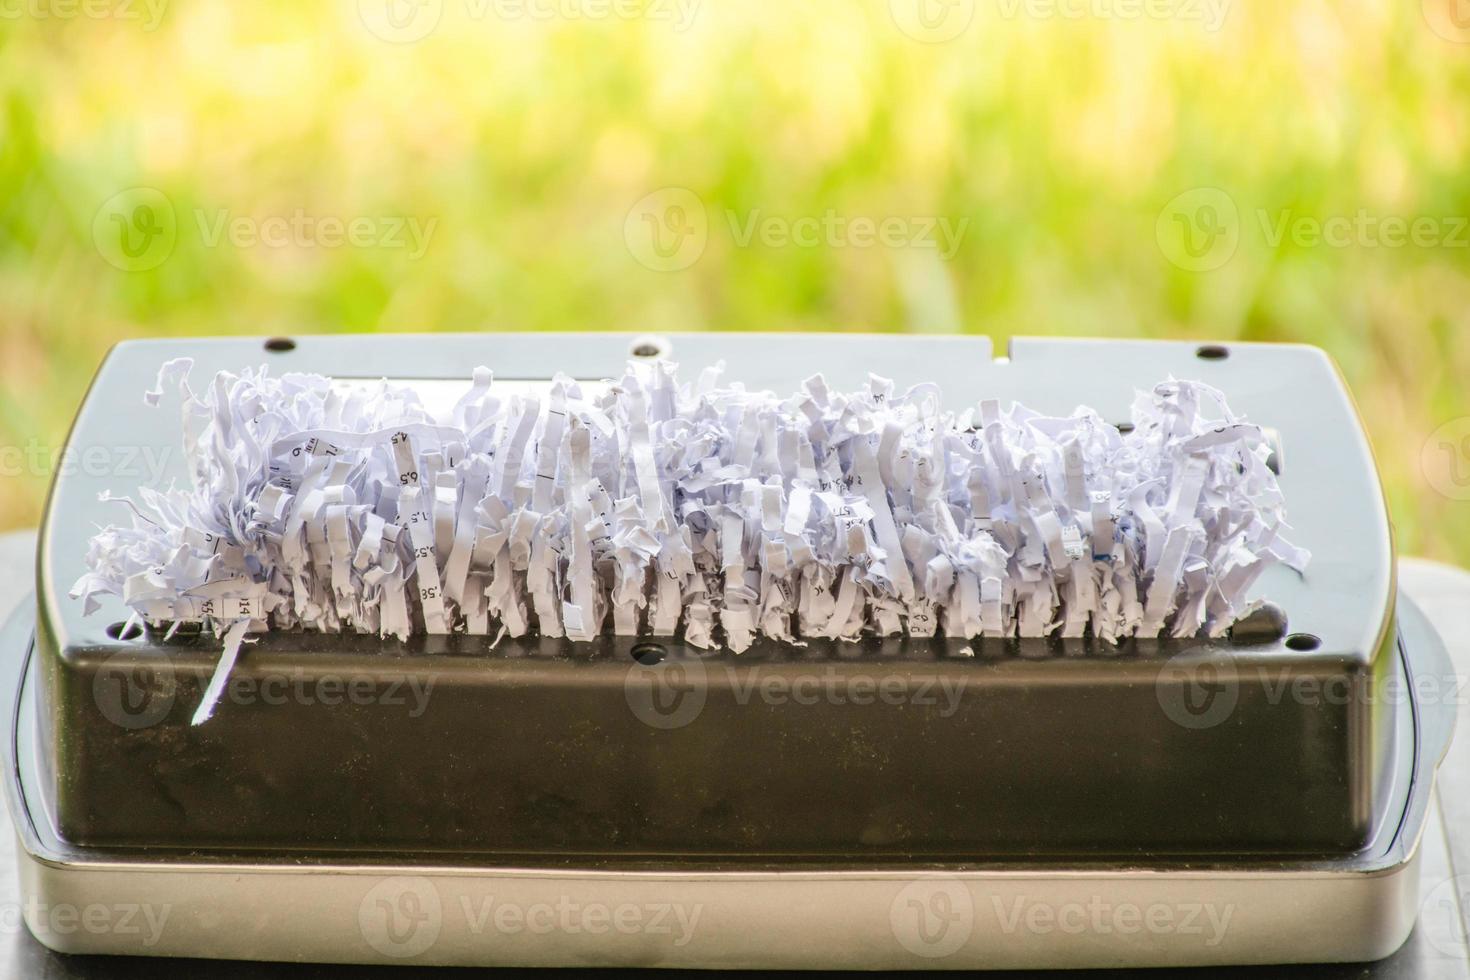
280	345
1212	352
1124	427
122	631
648	654
650	347
1302	642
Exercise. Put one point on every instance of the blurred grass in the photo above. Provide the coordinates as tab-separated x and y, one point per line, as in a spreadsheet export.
527	141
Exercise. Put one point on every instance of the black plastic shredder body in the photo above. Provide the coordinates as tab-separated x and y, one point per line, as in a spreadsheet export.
545	752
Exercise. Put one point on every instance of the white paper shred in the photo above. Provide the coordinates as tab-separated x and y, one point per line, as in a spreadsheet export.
655	508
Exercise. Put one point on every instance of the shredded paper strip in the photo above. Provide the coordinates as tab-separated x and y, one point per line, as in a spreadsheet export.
644	506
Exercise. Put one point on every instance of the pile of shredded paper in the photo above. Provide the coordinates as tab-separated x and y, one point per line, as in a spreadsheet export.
651	507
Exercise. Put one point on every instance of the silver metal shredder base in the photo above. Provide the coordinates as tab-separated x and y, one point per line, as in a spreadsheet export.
1352	910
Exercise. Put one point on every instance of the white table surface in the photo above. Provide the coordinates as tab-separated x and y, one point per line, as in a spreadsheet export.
1436	951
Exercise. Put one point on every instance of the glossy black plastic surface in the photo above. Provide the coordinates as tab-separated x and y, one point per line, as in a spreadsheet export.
875	753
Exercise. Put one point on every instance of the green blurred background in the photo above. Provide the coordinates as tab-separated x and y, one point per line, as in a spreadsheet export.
1163	168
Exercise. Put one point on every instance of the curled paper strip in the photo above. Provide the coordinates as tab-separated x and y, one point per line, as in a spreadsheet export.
650	507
